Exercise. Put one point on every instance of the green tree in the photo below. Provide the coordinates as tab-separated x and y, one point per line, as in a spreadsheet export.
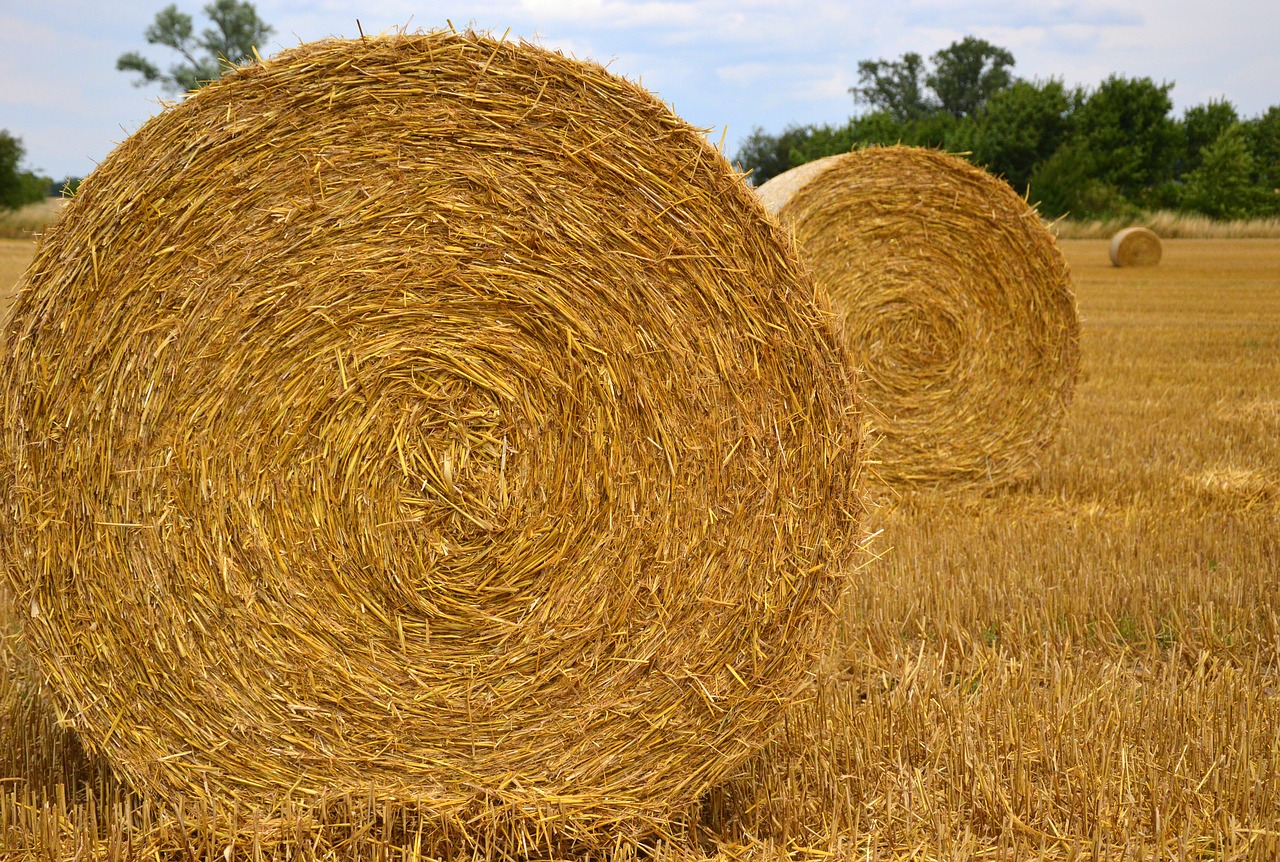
942	130
962	78
895	87
1021	126
967	74
231	41
766	156
877	128
1201	126
11	153
1264	144
935	130
1066	183
763	156
17	187
1222	186
1125	125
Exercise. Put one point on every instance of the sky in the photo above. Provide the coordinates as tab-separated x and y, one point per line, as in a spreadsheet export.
728	66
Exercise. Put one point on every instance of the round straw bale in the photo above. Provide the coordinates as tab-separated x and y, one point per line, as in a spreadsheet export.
432	417
1135	246
954	300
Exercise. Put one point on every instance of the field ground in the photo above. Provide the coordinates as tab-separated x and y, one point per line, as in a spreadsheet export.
1084	666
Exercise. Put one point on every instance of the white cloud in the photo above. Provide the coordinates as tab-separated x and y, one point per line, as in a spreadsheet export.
614	14
834	84
740	74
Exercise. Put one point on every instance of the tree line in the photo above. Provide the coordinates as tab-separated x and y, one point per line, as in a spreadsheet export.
1111	150
19	187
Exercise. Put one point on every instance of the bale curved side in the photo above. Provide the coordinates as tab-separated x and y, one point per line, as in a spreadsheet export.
1135	246
427	418
954	301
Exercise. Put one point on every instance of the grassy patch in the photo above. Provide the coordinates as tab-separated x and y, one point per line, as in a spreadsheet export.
30	220
1171	225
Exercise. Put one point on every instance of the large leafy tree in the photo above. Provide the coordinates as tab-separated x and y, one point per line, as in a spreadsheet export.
1201	126
17	187
1264	144
1222	185
1125	126
967	74
959	80
895	87
1065	184
1021	127
766	156
236	32
11	153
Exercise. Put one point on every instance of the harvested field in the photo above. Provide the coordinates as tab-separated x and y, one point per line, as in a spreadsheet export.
1085	666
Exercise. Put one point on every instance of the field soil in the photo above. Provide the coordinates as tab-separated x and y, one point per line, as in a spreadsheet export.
1085	665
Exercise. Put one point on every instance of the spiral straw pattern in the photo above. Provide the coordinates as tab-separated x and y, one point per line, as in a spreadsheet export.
954	301
1135	246
433	418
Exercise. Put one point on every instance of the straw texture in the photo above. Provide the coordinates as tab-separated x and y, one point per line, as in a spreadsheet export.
432	418
954	301
1135	246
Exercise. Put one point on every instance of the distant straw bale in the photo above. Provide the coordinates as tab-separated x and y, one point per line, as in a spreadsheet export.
1135	246
434	418
954	301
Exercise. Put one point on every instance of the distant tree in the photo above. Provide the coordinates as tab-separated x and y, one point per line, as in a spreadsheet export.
935	130
1021	126
1264	145
766	156
877	128
763	156
1066	183
1125	125
1201	126
962	78
896	87
237	31
17	187
11	153
967	74
1222	186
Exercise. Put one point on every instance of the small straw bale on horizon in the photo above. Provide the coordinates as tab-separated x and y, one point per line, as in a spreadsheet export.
954	301
1135	246
435	420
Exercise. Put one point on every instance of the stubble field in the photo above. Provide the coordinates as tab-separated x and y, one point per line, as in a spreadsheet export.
1086	665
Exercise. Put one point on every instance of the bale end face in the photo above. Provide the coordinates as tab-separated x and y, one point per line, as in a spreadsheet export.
431	418
954	301
1135	246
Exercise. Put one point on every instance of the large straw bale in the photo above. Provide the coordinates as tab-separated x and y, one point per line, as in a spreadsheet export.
1135	246
954	301
426	418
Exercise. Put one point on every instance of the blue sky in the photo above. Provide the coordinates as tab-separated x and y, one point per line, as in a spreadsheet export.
722	65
